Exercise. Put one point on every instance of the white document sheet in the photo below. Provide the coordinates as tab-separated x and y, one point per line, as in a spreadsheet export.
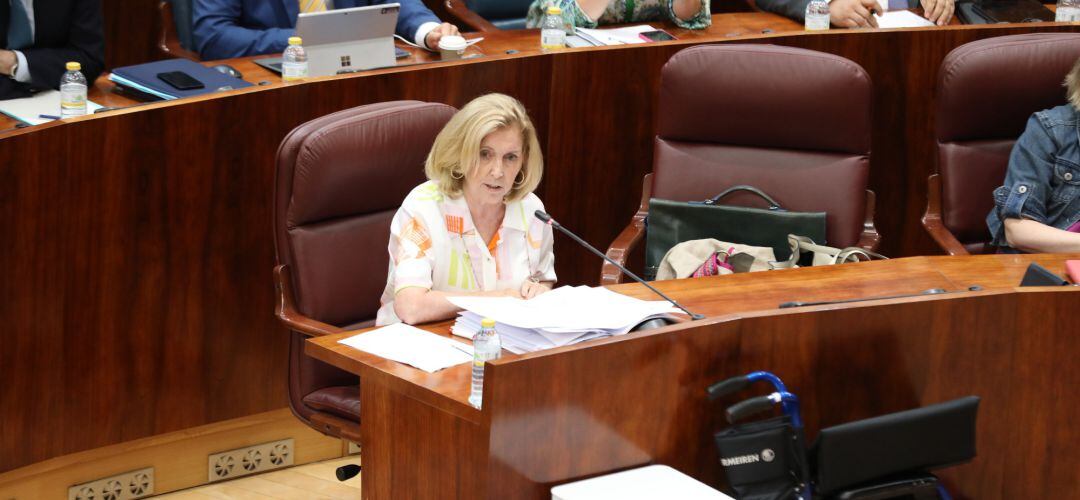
29	109
614	36
902	19
412	346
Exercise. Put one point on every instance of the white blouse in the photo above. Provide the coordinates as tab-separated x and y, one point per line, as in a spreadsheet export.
434	245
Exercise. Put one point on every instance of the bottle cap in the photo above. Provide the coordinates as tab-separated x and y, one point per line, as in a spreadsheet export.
554	10
487	323
294	40
74	66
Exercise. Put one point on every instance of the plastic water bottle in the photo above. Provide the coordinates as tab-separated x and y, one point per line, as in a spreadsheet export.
73	91
294	61
1068	11
553	30
486	347
817	15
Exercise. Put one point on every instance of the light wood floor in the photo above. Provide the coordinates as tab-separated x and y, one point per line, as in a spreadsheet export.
312	481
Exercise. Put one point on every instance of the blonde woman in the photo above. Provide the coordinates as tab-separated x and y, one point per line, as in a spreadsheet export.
1038	208
470	230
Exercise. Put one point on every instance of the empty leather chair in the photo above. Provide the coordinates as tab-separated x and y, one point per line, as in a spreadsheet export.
489	15
766	116
986	92
175	37
340	179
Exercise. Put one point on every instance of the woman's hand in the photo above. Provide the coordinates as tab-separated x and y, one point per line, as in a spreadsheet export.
530	288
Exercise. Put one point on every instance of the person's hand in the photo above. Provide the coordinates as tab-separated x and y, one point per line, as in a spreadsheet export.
939	12
854	13
433	36
530	289
509	292
7	61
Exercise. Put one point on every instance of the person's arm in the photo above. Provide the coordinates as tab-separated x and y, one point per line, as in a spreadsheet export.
1036	237
415	305
417	22
218	35
690	14
85	44
1023	196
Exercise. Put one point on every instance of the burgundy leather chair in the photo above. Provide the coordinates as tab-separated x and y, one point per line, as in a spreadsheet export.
340	179
986	92
769	117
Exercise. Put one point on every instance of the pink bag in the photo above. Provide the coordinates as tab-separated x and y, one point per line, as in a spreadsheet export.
712	265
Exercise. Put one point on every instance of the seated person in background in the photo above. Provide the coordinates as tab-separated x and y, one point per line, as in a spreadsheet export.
689	14
470	229
860	13
1038	208
37	43
238	28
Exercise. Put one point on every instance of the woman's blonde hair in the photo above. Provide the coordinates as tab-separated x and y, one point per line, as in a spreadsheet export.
1072	85
456	151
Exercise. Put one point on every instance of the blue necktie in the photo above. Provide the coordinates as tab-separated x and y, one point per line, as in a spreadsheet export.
19	36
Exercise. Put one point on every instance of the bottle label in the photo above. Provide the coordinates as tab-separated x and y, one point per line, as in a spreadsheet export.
73	99
817	22
552	39
1067	14
293	71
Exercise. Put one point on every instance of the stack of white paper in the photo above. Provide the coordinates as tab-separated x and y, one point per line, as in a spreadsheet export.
613	36
412	346
563	316
902	19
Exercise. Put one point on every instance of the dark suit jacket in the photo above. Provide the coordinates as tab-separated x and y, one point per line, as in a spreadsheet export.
237	28
64	30
796	9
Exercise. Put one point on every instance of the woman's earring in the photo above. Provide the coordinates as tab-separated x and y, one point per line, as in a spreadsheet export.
457	175
520	179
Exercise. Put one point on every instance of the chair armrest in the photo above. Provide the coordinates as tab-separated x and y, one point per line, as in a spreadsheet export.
869	239
335	426
286	308
168	43
931	220
627	239
462	14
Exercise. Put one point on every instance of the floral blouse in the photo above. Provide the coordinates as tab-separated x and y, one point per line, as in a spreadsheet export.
434	245
621	11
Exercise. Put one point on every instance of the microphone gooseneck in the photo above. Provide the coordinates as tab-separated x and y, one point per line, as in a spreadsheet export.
546	218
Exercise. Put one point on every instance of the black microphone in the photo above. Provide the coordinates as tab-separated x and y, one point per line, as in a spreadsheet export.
544	217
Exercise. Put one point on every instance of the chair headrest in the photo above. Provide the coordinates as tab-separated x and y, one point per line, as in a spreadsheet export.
988	89
765	96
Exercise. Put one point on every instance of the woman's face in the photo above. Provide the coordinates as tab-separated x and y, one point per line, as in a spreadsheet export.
500	160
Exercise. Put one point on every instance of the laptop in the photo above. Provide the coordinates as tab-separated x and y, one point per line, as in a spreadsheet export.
345	40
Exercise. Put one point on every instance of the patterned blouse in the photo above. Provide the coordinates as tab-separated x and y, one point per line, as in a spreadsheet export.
621	11
434	245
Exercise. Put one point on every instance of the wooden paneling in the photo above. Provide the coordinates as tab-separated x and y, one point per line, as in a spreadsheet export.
139	250
564	414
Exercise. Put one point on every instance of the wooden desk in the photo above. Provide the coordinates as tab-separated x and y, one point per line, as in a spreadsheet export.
144	233
564	414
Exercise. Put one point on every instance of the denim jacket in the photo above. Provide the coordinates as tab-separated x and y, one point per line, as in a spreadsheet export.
1043	180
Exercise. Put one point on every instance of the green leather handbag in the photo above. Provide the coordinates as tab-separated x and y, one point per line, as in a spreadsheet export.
672	222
